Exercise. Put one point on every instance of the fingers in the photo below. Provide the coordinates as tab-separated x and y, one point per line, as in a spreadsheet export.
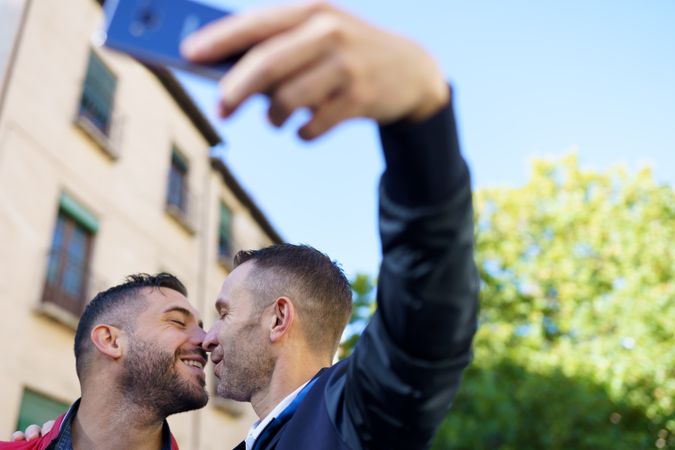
33	432
240	32
316	56
47	426
335	110
308	89
278	58
18	436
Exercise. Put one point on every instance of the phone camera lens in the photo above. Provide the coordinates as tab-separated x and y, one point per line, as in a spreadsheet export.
148	18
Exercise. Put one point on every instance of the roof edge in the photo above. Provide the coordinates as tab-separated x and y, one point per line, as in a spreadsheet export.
185	102
243	196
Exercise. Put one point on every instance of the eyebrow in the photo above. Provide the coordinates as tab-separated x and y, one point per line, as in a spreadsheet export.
184	311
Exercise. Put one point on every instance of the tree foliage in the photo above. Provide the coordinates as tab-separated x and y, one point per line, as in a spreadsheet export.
363	306
576	347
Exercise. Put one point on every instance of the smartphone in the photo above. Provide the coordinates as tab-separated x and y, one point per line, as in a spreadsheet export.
152	30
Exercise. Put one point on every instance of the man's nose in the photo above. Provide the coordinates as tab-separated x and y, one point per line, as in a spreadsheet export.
210	341
197	336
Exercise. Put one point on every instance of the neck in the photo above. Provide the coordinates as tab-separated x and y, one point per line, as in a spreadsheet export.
105	423
289	374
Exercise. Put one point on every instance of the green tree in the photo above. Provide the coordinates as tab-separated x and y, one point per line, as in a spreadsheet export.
576	346
363	289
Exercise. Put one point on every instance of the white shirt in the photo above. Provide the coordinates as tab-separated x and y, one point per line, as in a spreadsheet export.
259	425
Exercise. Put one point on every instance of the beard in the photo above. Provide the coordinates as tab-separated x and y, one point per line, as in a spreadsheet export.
246	367
152	381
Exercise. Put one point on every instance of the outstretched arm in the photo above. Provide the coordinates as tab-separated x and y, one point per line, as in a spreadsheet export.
407	366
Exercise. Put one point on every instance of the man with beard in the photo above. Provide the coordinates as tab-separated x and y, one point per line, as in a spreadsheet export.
283	309
139	359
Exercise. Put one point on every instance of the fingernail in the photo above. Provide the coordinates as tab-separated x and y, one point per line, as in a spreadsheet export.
275	117
223	111
192	47
304	134
18	436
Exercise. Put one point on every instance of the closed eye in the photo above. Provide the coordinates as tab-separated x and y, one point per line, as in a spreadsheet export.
180	316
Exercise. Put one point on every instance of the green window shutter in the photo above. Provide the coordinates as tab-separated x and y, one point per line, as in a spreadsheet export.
100	83
225	221
77	212
224	232
178	189
98	92
36	408
179	161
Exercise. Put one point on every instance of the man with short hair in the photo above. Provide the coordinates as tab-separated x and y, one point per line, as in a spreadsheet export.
139	360
282	309
298	288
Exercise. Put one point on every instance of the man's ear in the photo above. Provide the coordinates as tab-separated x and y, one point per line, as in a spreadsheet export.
282	318
108	340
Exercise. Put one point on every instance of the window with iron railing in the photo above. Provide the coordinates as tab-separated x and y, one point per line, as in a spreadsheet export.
69	258
98	94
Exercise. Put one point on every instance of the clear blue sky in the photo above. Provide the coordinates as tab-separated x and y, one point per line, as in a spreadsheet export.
532	79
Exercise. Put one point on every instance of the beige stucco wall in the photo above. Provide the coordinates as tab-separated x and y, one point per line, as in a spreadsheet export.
42	154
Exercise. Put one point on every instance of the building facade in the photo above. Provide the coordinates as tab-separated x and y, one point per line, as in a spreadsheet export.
105	170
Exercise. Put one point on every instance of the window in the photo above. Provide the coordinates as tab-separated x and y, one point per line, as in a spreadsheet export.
180	205
68	265
178	193
225	233
36	408
97	95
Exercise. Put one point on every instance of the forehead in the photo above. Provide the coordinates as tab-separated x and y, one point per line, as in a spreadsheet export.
161	300
236	287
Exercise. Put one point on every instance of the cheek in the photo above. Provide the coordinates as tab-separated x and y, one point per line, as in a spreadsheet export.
234	338
227	341
223	336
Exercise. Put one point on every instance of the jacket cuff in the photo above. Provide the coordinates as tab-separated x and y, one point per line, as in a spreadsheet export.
423	161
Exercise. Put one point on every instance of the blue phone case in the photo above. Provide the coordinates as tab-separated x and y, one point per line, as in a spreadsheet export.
152	30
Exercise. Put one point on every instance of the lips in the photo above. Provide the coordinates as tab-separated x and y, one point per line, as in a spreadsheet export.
193	363
196	361
217	360
217	355
217	368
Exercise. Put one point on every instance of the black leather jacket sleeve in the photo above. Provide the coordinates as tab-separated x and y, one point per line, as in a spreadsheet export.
406	368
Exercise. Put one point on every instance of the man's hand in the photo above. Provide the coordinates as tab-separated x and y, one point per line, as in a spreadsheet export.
315	56
32	432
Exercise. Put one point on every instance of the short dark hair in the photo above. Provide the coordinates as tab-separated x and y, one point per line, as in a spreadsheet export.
319	287
118	305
